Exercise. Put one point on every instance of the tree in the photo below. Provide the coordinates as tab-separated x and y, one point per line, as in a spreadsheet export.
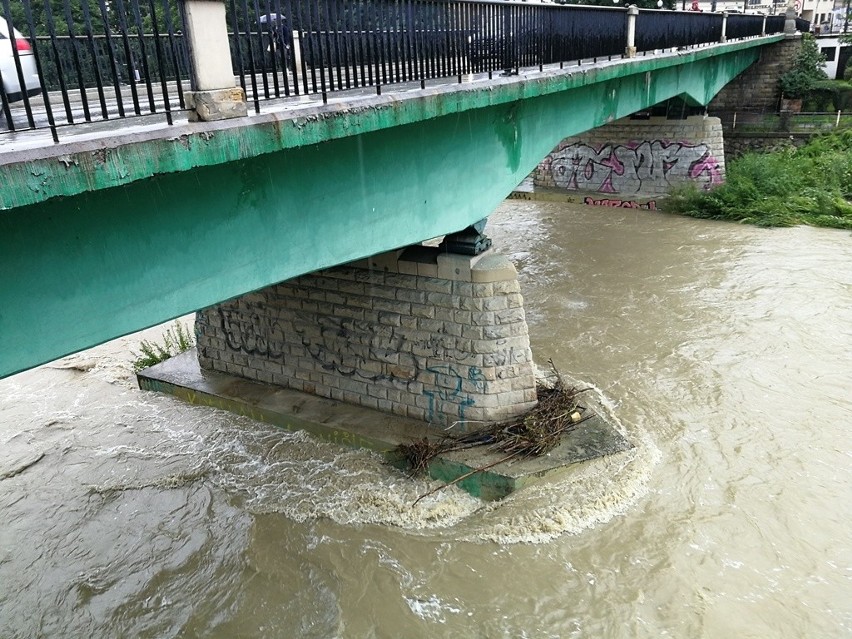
806	71
72	16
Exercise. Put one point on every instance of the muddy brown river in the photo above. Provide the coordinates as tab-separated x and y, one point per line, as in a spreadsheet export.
724	352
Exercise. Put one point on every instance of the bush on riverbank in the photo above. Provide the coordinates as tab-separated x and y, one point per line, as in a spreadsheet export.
176	340
811	185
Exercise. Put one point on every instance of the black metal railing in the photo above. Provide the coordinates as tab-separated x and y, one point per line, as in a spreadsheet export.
78	61
103	60
744	26
660	29
282	48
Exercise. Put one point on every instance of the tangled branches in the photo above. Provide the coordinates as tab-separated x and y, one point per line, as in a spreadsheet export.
538	432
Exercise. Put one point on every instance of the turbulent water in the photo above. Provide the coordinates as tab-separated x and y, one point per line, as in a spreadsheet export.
724	352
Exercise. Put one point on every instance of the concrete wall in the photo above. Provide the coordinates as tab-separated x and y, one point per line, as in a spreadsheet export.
738	143
435	337
632	160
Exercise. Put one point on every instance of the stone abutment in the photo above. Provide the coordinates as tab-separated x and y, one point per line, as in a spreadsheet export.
632	162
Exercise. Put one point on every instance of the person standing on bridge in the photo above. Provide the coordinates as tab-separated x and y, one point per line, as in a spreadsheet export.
280	40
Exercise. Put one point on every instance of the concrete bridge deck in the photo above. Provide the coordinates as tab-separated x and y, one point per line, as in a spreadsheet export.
210	210
304	120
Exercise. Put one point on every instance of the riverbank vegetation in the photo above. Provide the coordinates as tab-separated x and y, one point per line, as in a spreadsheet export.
810	185
176	340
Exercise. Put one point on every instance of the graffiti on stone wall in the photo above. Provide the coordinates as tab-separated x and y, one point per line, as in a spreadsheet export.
449	397
368	351
350	347
251	333
627	169
651	205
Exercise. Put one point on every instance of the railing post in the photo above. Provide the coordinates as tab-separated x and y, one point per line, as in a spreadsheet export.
724	37
630	49
214	94
297	49
763	27
790	18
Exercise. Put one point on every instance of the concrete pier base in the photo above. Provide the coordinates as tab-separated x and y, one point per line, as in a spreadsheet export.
364	428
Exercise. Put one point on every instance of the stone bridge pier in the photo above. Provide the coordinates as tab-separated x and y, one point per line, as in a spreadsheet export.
417	332
631	163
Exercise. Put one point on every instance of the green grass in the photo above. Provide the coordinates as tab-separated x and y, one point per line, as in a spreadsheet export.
811	185
176	340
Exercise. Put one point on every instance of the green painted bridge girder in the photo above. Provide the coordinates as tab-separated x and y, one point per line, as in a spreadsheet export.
98	242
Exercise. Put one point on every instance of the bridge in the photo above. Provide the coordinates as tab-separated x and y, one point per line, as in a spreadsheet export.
356	146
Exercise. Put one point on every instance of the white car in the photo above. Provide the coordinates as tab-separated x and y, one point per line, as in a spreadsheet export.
8	68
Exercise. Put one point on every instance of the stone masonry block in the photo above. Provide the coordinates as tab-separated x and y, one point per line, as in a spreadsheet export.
452	266
422	310
430	325
483	289
402	280
493	268
409	295
349	312
509	316
514	300
506	287
408	268
463	317
444	314
369	402
427	270
495	303
496	332
436	285
453	329
385	261
393	306
483	318
472	303
445	300
359	301
216	104
389	319
462	289
472	332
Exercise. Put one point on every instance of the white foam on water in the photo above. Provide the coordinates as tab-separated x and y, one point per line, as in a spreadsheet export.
302	478
270	470
293	474
432	609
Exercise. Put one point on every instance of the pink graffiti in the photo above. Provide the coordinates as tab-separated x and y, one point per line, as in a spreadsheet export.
634	167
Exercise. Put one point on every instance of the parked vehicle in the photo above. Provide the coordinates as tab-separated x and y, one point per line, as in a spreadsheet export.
12	86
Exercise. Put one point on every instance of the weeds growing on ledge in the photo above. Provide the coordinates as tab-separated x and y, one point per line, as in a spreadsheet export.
811	185
176	340
537	432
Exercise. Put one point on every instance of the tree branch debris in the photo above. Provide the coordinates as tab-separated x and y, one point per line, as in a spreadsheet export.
538	432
